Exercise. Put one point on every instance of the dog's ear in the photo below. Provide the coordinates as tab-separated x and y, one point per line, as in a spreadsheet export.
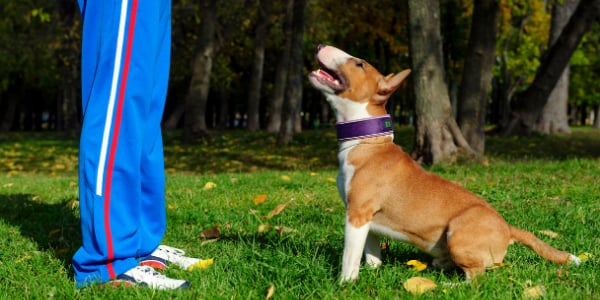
389	84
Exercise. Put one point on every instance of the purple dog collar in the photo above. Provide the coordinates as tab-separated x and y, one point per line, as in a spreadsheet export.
364	128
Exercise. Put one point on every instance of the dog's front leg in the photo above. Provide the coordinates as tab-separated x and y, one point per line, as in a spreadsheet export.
354	243
373	250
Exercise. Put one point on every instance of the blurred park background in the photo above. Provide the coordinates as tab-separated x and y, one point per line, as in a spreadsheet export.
501	68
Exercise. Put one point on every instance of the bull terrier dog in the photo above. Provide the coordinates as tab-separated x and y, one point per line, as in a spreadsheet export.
386	193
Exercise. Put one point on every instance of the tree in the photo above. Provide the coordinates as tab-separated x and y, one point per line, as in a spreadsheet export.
437	136
584	90
523	29
477	74
527	106
281	72
69	107
295	78
195	101
554	117
264	8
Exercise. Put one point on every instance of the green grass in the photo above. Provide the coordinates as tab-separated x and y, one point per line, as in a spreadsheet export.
537	183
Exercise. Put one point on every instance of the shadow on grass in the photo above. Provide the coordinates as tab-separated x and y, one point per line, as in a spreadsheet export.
582	143
53	227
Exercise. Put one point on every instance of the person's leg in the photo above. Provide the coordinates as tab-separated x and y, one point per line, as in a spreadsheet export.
158	27
120	48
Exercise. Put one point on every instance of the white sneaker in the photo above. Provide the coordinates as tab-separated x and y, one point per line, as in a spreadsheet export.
147	276
164	255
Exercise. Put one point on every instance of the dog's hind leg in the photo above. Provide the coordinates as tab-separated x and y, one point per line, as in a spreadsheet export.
373	250
354	243
477	240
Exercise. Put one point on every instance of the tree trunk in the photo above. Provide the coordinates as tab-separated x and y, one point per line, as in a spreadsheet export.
9	105
477	74
554	118
293	94
437	136
197	96
68	110
223	119
596	116
264	9
528	105
175	116
281	73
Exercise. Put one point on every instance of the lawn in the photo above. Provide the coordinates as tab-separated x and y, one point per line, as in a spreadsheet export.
280	219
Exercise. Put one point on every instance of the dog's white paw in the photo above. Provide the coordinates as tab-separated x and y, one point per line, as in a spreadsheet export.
348	279
574	260
373	261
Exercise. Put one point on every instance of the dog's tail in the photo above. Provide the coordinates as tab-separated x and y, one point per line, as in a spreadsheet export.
546	251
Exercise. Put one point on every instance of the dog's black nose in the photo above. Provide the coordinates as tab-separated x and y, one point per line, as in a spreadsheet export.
320	46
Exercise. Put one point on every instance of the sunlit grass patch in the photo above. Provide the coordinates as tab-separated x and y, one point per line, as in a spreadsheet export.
277	220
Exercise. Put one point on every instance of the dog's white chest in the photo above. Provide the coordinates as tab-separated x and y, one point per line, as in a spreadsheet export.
346	170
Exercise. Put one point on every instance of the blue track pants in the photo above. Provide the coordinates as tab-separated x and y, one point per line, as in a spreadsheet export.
125	70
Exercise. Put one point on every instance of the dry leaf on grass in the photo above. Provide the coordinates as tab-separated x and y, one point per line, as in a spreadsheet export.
211	233
417	265
277	210
418	285
549	233
209	185
260	199
585	256
286	178
264	227
534	292
270	292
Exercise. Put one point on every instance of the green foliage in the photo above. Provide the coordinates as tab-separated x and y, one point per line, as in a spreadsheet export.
523	30
537	183
40	46
585	70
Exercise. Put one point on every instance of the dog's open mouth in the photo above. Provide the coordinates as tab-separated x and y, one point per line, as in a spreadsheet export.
328	78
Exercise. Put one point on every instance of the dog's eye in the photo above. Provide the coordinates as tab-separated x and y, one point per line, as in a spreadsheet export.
359	64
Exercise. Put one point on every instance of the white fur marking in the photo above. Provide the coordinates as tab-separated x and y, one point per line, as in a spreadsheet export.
347	110
574	260
354	243
373	250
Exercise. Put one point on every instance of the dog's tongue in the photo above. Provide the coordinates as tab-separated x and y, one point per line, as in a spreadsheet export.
326	75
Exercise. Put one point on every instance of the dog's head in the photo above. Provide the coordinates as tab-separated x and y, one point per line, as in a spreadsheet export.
353	87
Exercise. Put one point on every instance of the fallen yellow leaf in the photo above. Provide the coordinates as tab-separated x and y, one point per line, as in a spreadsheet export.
331	179
534	292
270	292
417	265
203	264
264	227
585	256
209	185
259	199
286	178
549	233
418	285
